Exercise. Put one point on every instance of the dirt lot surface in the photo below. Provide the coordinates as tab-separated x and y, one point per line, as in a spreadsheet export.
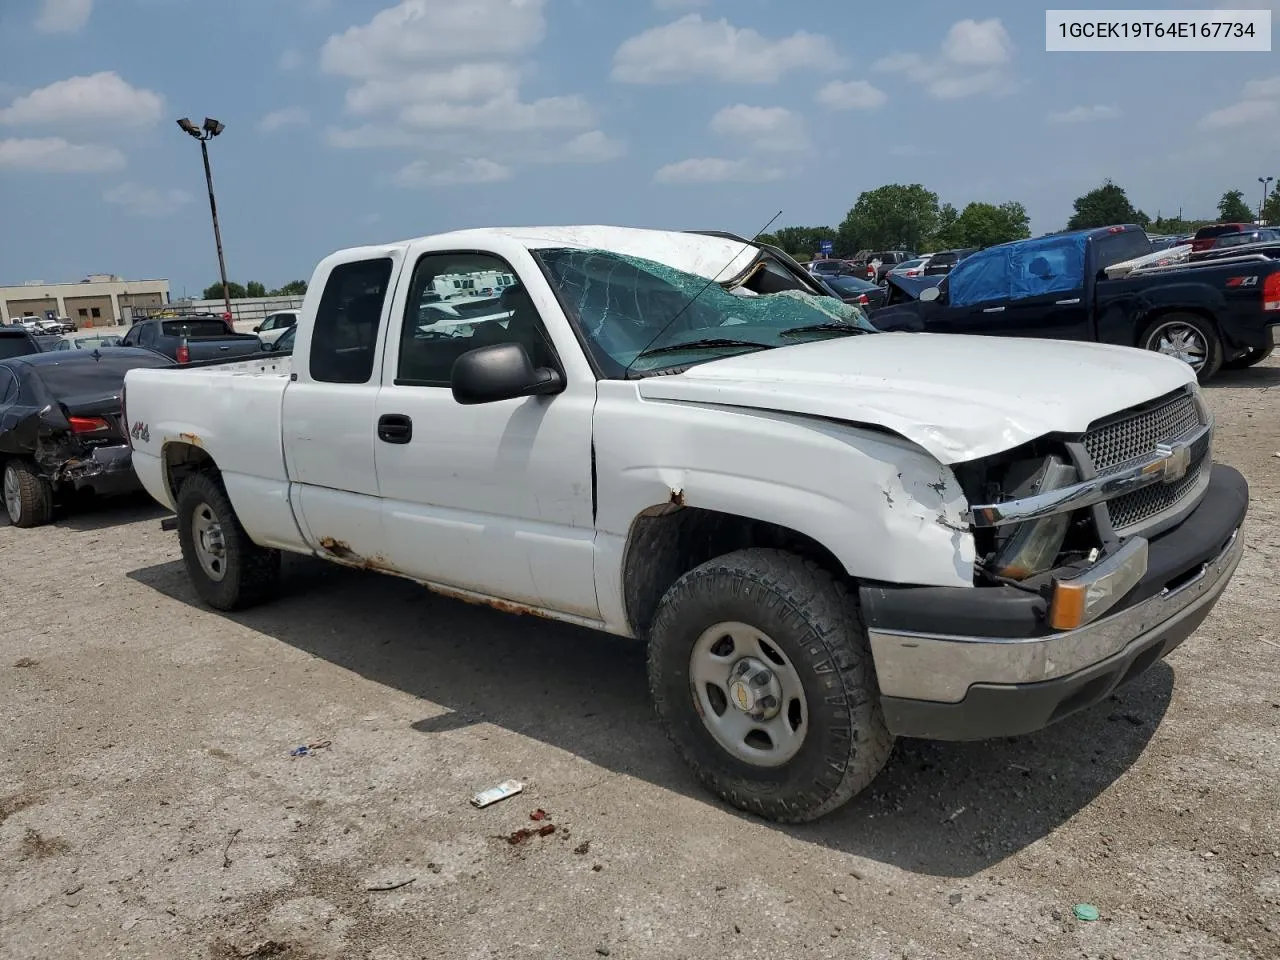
150	805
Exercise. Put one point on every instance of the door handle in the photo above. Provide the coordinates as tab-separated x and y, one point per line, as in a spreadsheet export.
1067	303
395	428
993	310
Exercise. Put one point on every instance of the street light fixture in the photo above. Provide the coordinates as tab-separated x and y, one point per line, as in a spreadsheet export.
1264	181
204	134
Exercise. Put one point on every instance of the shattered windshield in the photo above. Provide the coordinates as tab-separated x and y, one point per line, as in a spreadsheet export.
638	316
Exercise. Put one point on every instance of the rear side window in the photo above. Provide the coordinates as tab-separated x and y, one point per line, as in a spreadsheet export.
15	347
194	328
346	327
1119	247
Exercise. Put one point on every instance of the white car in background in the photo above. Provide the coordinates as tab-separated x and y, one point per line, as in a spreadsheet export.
911	268
273	327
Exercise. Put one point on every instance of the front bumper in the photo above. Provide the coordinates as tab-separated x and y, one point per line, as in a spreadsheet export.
1002	672
107	471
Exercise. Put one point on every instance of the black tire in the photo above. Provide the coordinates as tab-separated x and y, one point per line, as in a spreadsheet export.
250	573
1252	358
34	493
813	620
1213	354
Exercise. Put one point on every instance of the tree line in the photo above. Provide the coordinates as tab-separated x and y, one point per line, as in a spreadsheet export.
910	217
294	288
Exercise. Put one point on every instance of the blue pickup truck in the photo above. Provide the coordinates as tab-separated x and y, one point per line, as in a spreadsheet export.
1218	314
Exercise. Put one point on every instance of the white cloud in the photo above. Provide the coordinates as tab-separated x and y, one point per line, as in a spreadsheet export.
973	59
692	48
285	117
974	43
425	173
506	113
63	16
143	201
594	146
1263	89
1239	114
851	95
764	128
369	136
715	170
466	81
418	32
53	154
444	76
1083	114
290	59
101	98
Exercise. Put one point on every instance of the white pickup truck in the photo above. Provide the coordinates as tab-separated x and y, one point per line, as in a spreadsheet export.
827	536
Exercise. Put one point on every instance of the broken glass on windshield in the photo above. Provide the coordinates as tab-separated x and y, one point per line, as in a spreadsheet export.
637	314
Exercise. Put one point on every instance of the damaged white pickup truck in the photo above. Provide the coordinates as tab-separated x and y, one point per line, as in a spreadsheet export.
826	535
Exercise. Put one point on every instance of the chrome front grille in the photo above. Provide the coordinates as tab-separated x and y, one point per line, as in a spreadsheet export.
1116	444
1135	437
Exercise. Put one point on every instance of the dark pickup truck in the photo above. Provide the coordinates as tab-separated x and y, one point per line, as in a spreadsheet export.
192	339
17	342
1212	315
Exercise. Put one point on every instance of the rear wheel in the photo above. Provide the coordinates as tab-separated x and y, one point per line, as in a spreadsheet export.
28	496
227	569
1254	356
1189	338
760	671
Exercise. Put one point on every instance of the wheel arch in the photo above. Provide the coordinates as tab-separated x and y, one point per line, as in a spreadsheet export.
180	459
1156	314
668	540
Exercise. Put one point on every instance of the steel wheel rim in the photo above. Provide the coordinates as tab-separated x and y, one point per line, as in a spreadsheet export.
208	542
12	494
1181	341
734	671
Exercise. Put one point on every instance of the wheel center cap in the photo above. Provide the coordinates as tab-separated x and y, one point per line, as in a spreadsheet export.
754	689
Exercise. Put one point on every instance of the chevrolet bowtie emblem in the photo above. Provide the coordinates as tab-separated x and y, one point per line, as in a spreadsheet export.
1175	461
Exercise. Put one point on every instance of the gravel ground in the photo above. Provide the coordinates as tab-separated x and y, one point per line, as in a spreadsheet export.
150	807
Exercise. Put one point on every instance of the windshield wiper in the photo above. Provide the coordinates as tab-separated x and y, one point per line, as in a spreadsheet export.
824	328
700	344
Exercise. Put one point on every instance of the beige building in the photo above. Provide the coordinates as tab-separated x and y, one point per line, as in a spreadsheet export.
99	300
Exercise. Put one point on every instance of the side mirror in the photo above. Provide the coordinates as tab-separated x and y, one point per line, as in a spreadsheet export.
258	328
930	294
501	372
267	347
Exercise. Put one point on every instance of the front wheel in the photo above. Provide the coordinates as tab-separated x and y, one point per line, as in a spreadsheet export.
28	496
761	673
1251	358
227	569
1189	338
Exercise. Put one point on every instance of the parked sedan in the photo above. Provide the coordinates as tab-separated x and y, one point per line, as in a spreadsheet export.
62	429
911	268
88	343
859	292
940	263
831	268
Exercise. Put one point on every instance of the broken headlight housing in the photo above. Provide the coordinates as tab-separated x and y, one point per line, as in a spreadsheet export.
1024	551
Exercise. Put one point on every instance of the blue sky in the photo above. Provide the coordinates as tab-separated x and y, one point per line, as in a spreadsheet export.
352	121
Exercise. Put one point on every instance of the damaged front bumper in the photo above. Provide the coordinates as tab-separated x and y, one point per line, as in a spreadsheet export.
107	470
969	664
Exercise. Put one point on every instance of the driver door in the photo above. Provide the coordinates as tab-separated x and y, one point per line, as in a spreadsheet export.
493	498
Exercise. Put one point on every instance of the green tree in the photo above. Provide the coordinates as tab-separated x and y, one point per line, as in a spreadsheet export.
1271	212
889	217
255	289
1105	206
214	291
1233	209
294	288
948	235
986	224
801	242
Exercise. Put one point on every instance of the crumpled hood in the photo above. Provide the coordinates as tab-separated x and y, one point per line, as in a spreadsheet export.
958	397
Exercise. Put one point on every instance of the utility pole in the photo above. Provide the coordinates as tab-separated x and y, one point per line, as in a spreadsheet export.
210	130
1264	181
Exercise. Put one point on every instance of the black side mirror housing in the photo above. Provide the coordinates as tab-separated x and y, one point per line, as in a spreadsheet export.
502	371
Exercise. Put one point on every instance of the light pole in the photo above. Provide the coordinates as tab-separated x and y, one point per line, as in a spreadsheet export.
1264	181
210	130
